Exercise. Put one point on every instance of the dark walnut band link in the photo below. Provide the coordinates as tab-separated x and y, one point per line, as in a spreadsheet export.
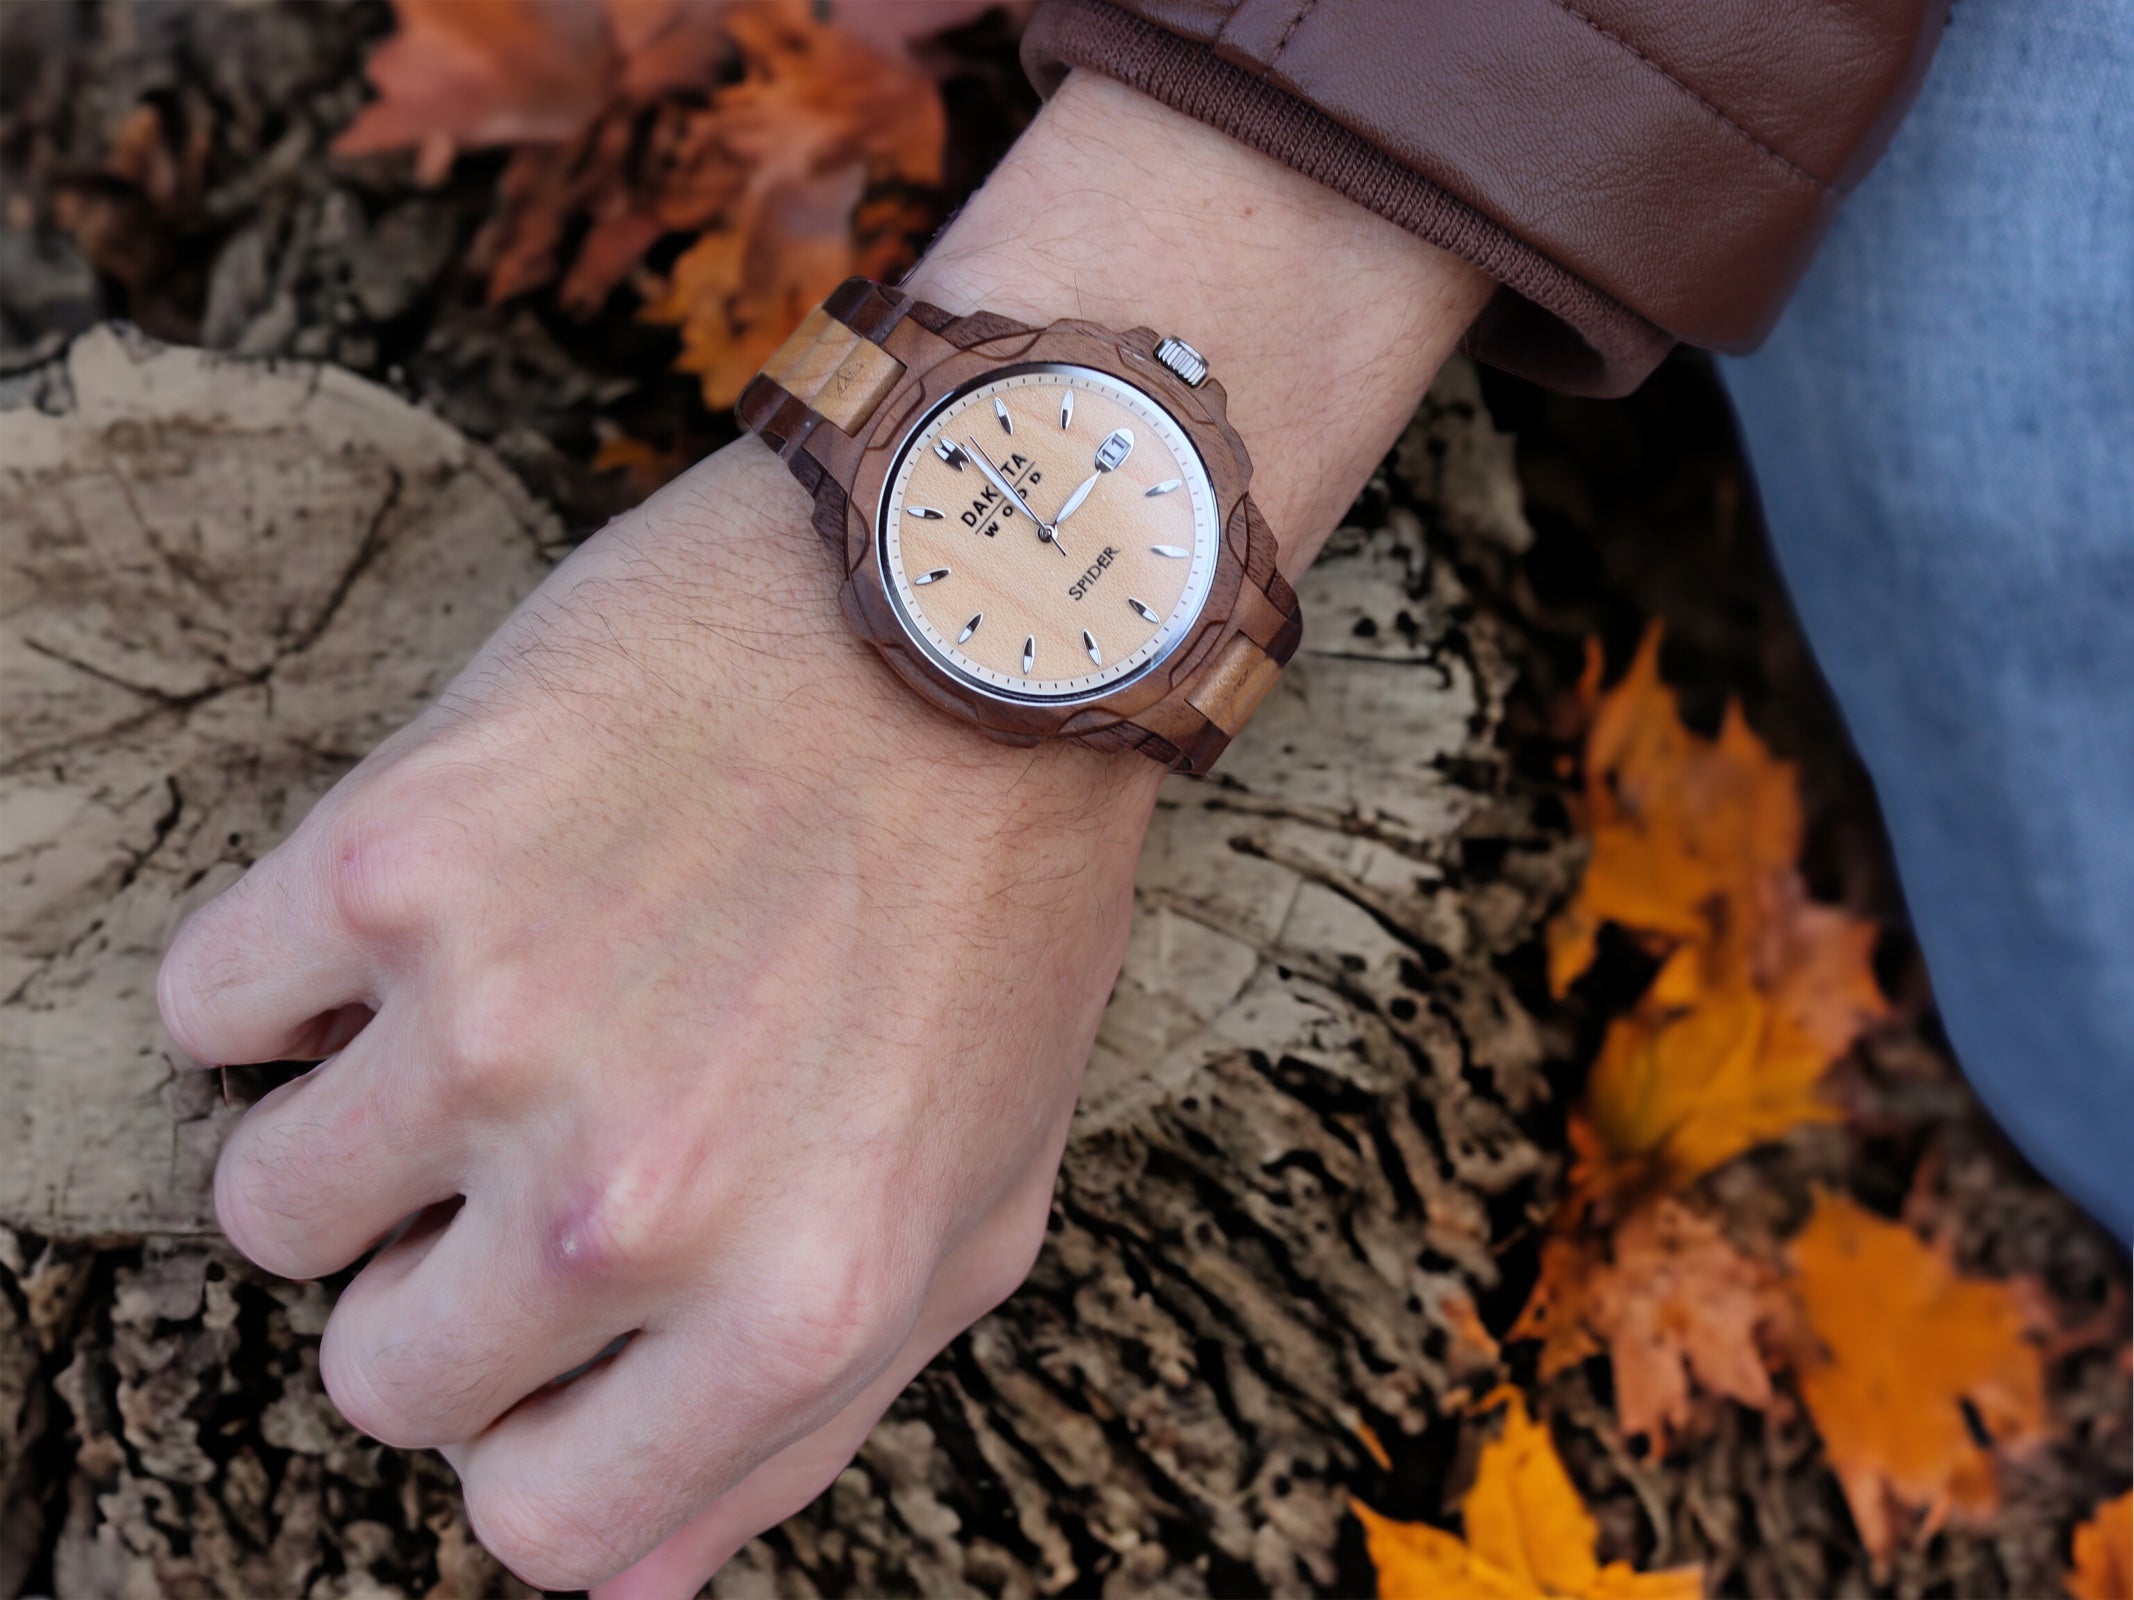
815	403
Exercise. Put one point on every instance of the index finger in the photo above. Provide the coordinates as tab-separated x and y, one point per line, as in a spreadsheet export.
260	971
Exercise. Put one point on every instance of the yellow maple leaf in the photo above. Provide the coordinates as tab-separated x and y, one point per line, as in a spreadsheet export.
2104	1554
1674	1094
1903	1346
1681	826
1529	1536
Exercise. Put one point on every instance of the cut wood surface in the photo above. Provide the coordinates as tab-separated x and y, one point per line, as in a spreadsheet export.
1300	1148
226	581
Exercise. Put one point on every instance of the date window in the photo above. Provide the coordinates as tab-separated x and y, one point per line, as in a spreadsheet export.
1117	446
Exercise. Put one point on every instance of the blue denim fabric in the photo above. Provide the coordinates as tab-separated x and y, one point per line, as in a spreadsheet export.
1942	429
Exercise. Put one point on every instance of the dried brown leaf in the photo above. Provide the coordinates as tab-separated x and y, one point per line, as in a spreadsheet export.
1674	1301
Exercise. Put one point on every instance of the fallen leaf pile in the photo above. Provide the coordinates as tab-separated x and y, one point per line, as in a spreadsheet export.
792	145
1528	1535
1696	845
1921	1383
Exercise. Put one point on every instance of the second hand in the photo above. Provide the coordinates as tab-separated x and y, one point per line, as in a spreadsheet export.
1015	499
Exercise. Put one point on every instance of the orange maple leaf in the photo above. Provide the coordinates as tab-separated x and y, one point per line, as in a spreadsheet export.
1673	1301
815	123
1903	1346
1528	1536
1681	825
2104	1554
1694	849
796	147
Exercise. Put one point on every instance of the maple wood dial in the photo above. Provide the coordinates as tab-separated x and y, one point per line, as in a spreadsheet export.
1048	533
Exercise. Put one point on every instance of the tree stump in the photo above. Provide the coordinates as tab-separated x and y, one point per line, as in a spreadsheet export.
1307	1133
227	580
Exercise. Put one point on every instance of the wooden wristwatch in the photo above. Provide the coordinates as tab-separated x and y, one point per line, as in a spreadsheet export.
1044	531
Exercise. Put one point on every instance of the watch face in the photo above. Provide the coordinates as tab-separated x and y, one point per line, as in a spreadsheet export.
1048	533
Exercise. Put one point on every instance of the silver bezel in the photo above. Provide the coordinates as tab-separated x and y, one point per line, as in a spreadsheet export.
1179	625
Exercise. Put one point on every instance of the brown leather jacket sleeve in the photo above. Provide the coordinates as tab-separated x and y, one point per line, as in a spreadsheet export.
1632	172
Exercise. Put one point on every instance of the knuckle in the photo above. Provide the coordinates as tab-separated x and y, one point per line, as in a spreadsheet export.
841	1309
251	1212
181	998
205	957
636	1216
284	1178
544	1541
494	1037
389	868
408	1382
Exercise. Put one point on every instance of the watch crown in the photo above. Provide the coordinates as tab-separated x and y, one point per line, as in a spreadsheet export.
1187	362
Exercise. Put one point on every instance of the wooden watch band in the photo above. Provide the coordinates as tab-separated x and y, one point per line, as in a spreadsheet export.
819	403
835	369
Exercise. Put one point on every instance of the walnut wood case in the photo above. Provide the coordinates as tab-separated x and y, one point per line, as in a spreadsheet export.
842	394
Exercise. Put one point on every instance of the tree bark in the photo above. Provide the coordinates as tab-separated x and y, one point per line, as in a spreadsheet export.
1308	1133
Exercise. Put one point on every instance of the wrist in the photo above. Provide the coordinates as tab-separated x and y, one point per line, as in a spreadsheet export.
753	571
1323	322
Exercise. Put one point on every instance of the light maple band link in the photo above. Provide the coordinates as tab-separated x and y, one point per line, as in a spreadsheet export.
1231	688
833	371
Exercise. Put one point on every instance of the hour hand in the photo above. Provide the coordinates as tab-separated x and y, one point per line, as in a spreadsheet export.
1111	455
1074	501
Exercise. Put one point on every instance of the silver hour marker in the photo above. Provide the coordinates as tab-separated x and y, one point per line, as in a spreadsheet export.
949	452
1029	654
1090	644
1067	409
934	576
1142	611
924	513
1170	550
970	627
1164	487
1000	410
1117	446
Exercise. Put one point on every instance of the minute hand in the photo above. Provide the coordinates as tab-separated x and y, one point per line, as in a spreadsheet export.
993	475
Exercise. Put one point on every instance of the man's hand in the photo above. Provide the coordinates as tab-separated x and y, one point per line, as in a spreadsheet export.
690	982
737	999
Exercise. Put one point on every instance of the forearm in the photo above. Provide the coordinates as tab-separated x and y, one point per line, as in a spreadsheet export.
1323	322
